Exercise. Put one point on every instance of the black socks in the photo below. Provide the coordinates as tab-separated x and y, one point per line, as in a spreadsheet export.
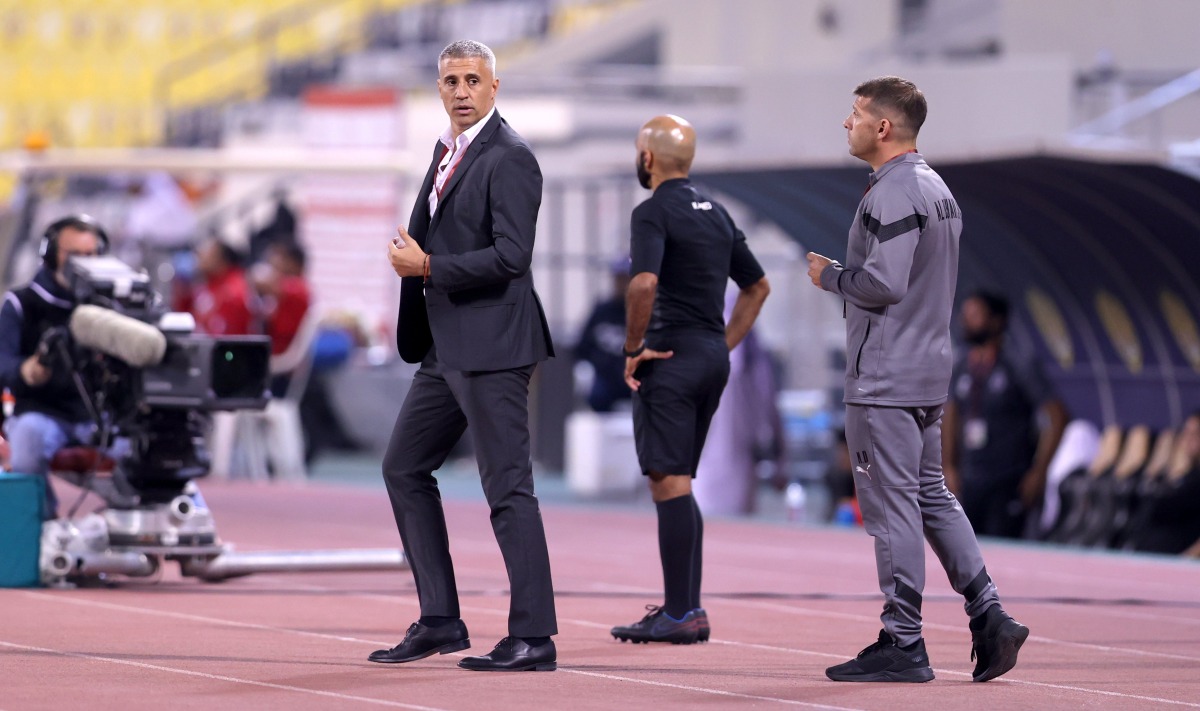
535	641
680	534
978	622
434	622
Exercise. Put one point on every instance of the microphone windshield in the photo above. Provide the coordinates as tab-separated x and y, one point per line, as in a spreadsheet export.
137	343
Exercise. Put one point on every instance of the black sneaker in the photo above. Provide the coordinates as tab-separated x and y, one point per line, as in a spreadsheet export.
657	626
994	645
885	661
702	620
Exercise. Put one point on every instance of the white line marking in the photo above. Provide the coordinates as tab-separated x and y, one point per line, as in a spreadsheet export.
1130	614
234	623
1005	680
220	677
826	655
597	625
1117	694
775	607
685	687
195	618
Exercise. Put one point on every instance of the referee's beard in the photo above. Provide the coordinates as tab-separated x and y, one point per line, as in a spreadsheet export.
643	175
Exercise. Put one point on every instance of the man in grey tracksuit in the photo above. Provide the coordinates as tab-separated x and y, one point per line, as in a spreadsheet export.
898	284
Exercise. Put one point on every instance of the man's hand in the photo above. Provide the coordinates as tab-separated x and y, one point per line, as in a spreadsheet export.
33	372
953	483
631	365
1033	488
816	265
405	255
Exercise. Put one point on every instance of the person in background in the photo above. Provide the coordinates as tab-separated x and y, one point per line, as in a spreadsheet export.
222	302
602	341
995	453
284	296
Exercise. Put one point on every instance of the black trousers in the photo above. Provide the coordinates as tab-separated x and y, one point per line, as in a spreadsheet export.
437	410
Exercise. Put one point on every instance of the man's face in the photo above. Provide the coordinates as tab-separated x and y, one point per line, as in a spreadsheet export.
74	243
468	90
978	323
1191	437
862	129
209	261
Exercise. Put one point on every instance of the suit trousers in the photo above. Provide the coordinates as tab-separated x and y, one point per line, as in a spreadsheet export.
896	453
439	406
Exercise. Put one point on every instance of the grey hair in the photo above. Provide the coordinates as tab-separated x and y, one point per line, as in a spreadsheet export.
466	49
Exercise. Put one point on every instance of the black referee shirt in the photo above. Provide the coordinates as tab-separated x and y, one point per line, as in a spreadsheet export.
692	245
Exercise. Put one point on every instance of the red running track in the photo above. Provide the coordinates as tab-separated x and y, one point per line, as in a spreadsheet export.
1108	631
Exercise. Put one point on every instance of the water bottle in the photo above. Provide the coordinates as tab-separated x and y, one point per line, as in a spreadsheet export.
795	498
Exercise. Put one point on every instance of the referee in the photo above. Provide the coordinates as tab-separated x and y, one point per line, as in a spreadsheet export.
684	248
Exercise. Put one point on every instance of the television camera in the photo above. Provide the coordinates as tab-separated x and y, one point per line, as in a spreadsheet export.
150	385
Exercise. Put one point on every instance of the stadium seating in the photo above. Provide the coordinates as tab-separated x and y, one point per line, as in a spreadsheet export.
106	72
1111	503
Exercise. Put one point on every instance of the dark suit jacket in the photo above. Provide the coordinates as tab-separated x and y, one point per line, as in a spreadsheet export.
479	307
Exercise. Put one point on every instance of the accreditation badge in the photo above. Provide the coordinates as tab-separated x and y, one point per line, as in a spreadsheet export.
975	433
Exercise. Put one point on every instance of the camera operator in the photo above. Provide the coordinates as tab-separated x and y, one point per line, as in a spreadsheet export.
49	412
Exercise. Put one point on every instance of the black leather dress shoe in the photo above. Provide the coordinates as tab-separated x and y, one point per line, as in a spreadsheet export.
514	654
421	641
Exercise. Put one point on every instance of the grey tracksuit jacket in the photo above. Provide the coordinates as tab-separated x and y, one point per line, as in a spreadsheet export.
898	281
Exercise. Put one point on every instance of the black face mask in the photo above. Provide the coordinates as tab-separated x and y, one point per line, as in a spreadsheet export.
988	332
977	338
643	175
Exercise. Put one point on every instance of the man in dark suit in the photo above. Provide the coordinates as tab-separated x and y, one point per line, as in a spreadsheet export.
469	315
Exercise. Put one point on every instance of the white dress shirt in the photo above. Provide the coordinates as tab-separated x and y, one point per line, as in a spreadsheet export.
455	148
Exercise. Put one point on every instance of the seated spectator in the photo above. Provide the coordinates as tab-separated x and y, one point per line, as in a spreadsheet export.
284	297
1168	519
222	302
602	344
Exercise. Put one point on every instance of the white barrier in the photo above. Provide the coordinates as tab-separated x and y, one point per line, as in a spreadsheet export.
601	457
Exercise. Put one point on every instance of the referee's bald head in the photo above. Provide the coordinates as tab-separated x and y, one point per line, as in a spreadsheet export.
671	140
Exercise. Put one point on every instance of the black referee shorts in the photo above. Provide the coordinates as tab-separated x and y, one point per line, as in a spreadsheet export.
675	404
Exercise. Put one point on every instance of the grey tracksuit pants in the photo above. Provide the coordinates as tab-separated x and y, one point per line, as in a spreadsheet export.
896	453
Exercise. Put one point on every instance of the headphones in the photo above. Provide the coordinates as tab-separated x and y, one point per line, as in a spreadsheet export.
48	248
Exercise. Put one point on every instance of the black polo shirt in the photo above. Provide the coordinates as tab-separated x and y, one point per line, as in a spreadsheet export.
689	241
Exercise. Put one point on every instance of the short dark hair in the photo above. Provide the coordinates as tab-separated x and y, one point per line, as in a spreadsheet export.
896	94
293	251
996	303
469	49
227	252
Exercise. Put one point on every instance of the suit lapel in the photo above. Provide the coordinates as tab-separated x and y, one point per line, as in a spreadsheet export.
420	223
477	146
